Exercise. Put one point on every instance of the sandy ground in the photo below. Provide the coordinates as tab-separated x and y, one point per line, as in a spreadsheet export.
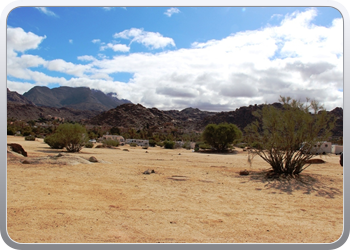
191	198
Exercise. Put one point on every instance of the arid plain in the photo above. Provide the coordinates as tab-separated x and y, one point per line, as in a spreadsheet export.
191	198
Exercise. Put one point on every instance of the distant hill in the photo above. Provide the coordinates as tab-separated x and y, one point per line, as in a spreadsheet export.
81	98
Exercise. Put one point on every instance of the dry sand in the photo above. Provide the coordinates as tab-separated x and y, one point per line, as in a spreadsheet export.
191	198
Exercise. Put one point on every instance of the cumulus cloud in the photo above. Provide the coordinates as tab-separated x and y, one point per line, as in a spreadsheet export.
46	11
67	67
115	47
171	11
294	58
19	40
152	40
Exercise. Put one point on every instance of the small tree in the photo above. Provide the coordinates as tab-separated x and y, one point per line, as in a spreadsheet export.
220	136
71	136
281	132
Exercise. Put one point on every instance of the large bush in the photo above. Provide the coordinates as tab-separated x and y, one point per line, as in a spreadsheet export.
281	132
221	136
71	136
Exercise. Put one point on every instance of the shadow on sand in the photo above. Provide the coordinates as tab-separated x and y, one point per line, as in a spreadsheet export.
305	183
57	151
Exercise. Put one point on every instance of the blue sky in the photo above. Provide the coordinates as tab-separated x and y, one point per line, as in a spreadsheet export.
216	58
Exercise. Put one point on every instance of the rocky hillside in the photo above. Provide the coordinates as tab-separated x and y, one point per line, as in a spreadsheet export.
27	112
243	116
240	117
338	129
131	115
82	98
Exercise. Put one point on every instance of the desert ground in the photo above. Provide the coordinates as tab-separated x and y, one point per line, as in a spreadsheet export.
191	198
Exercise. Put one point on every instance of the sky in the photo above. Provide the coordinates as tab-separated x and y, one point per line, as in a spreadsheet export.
211	58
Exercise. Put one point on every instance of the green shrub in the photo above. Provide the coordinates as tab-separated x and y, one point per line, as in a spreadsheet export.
201	145
160	144
256	145
54	141
89	145
11	130
169	144
71	136
221	136
133	144
152	143
29	138
187	145
110	142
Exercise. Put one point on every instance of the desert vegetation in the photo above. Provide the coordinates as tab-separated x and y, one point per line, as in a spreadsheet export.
280	134
221	136
55	196
73	137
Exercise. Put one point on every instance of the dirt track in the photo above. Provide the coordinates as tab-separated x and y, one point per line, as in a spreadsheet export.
191	198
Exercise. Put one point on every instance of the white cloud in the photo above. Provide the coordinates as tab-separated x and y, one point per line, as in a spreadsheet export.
67	67
152	40
295	58
86	58
70	41
19	40
171	11
115	47
46	11
96	41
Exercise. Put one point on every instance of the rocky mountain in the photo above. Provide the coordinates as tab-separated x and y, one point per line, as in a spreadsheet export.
81	98
13	96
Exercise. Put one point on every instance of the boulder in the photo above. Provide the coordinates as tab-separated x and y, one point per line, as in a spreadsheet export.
93	159
17	148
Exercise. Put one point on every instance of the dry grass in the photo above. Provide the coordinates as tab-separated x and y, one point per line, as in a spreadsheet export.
191	197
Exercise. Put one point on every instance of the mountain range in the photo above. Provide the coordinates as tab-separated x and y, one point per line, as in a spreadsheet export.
81	98
93	107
